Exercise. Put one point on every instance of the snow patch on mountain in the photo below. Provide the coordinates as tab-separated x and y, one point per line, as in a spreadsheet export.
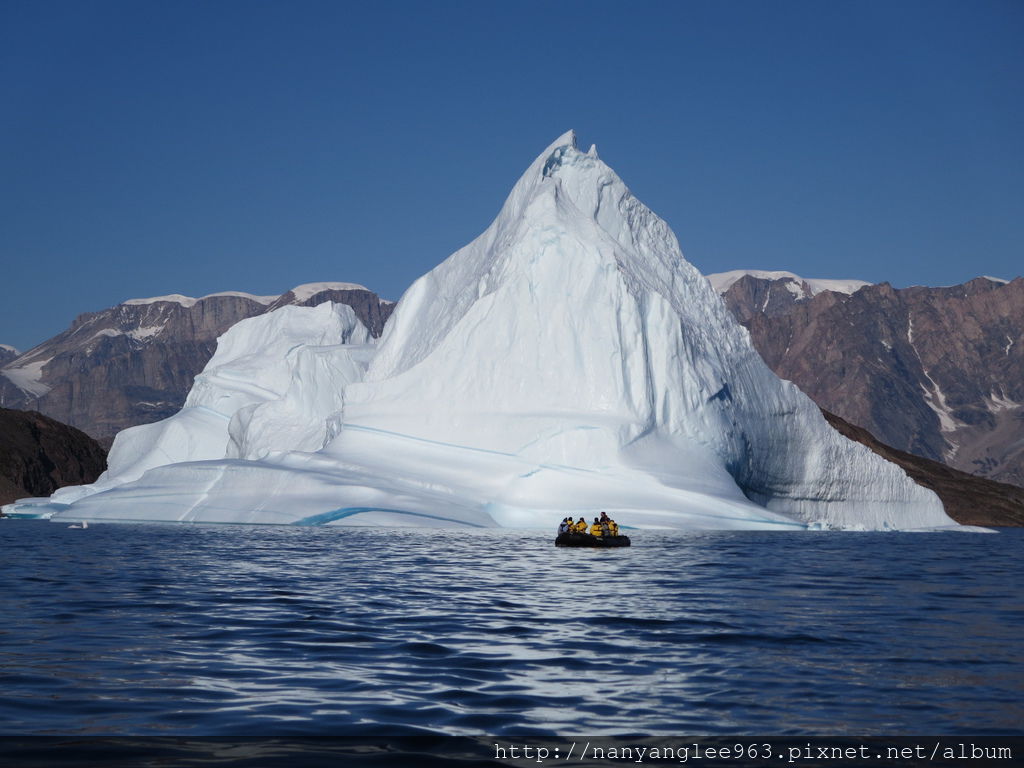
173	298
28	377
999	402
934	397
936	400
146	332
301	292
800	287
189	301
307	291
139	334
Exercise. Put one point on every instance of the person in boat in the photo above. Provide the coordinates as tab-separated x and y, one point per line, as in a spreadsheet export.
595	529
566	525
581	526
604	517
613	526
606	530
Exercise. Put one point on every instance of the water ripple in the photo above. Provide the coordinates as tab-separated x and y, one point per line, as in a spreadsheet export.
209	631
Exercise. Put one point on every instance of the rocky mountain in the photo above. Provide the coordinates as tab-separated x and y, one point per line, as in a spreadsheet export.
937	372
134	363
750	292
7	353
38	455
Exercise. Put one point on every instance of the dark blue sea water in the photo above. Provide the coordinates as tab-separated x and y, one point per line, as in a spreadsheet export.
209	632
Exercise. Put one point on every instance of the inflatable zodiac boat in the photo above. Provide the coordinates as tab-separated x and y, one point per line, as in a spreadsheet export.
586	540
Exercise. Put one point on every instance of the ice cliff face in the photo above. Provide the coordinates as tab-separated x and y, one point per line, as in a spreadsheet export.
274	383
568	360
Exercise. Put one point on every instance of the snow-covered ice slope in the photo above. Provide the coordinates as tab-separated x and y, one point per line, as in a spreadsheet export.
274	383
568	360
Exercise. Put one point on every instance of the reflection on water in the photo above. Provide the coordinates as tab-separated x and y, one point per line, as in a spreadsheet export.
204	631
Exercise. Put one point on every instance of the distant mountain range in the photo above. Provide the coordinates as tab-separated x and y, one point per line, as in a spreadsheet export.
134	363
937	372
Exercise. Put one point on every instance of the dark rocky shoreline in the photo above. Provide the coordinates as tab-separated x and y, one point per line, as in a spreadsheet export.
38	455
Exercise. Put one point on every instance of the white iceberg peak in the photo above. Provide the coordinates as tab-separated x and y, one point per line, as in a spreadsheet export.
573	332
566	139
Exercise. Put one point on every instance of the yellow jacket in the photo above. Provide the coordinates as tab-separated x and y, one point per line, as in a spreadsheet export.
595	529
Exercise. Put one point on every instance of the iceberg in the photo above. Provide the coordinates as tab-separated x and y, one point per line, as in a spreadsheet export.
274	383
568	360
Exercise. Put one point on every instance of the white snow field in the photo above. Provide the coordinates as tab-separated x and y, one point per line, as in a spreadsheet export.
800	287
567	361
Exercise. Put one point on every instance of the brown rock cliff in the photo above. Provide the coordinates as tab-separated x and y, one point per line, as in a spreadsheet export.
38	455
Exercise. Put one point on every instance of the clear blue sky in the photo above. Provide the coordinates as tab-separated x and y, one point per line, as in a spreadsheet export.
191	147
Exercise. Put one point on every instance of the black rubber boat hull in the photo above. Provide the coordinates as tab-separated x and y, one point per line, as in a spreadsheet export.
586	540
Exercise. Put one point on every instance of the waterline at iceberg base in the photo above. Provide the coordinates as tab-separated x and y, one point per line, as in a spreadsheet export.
569	360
